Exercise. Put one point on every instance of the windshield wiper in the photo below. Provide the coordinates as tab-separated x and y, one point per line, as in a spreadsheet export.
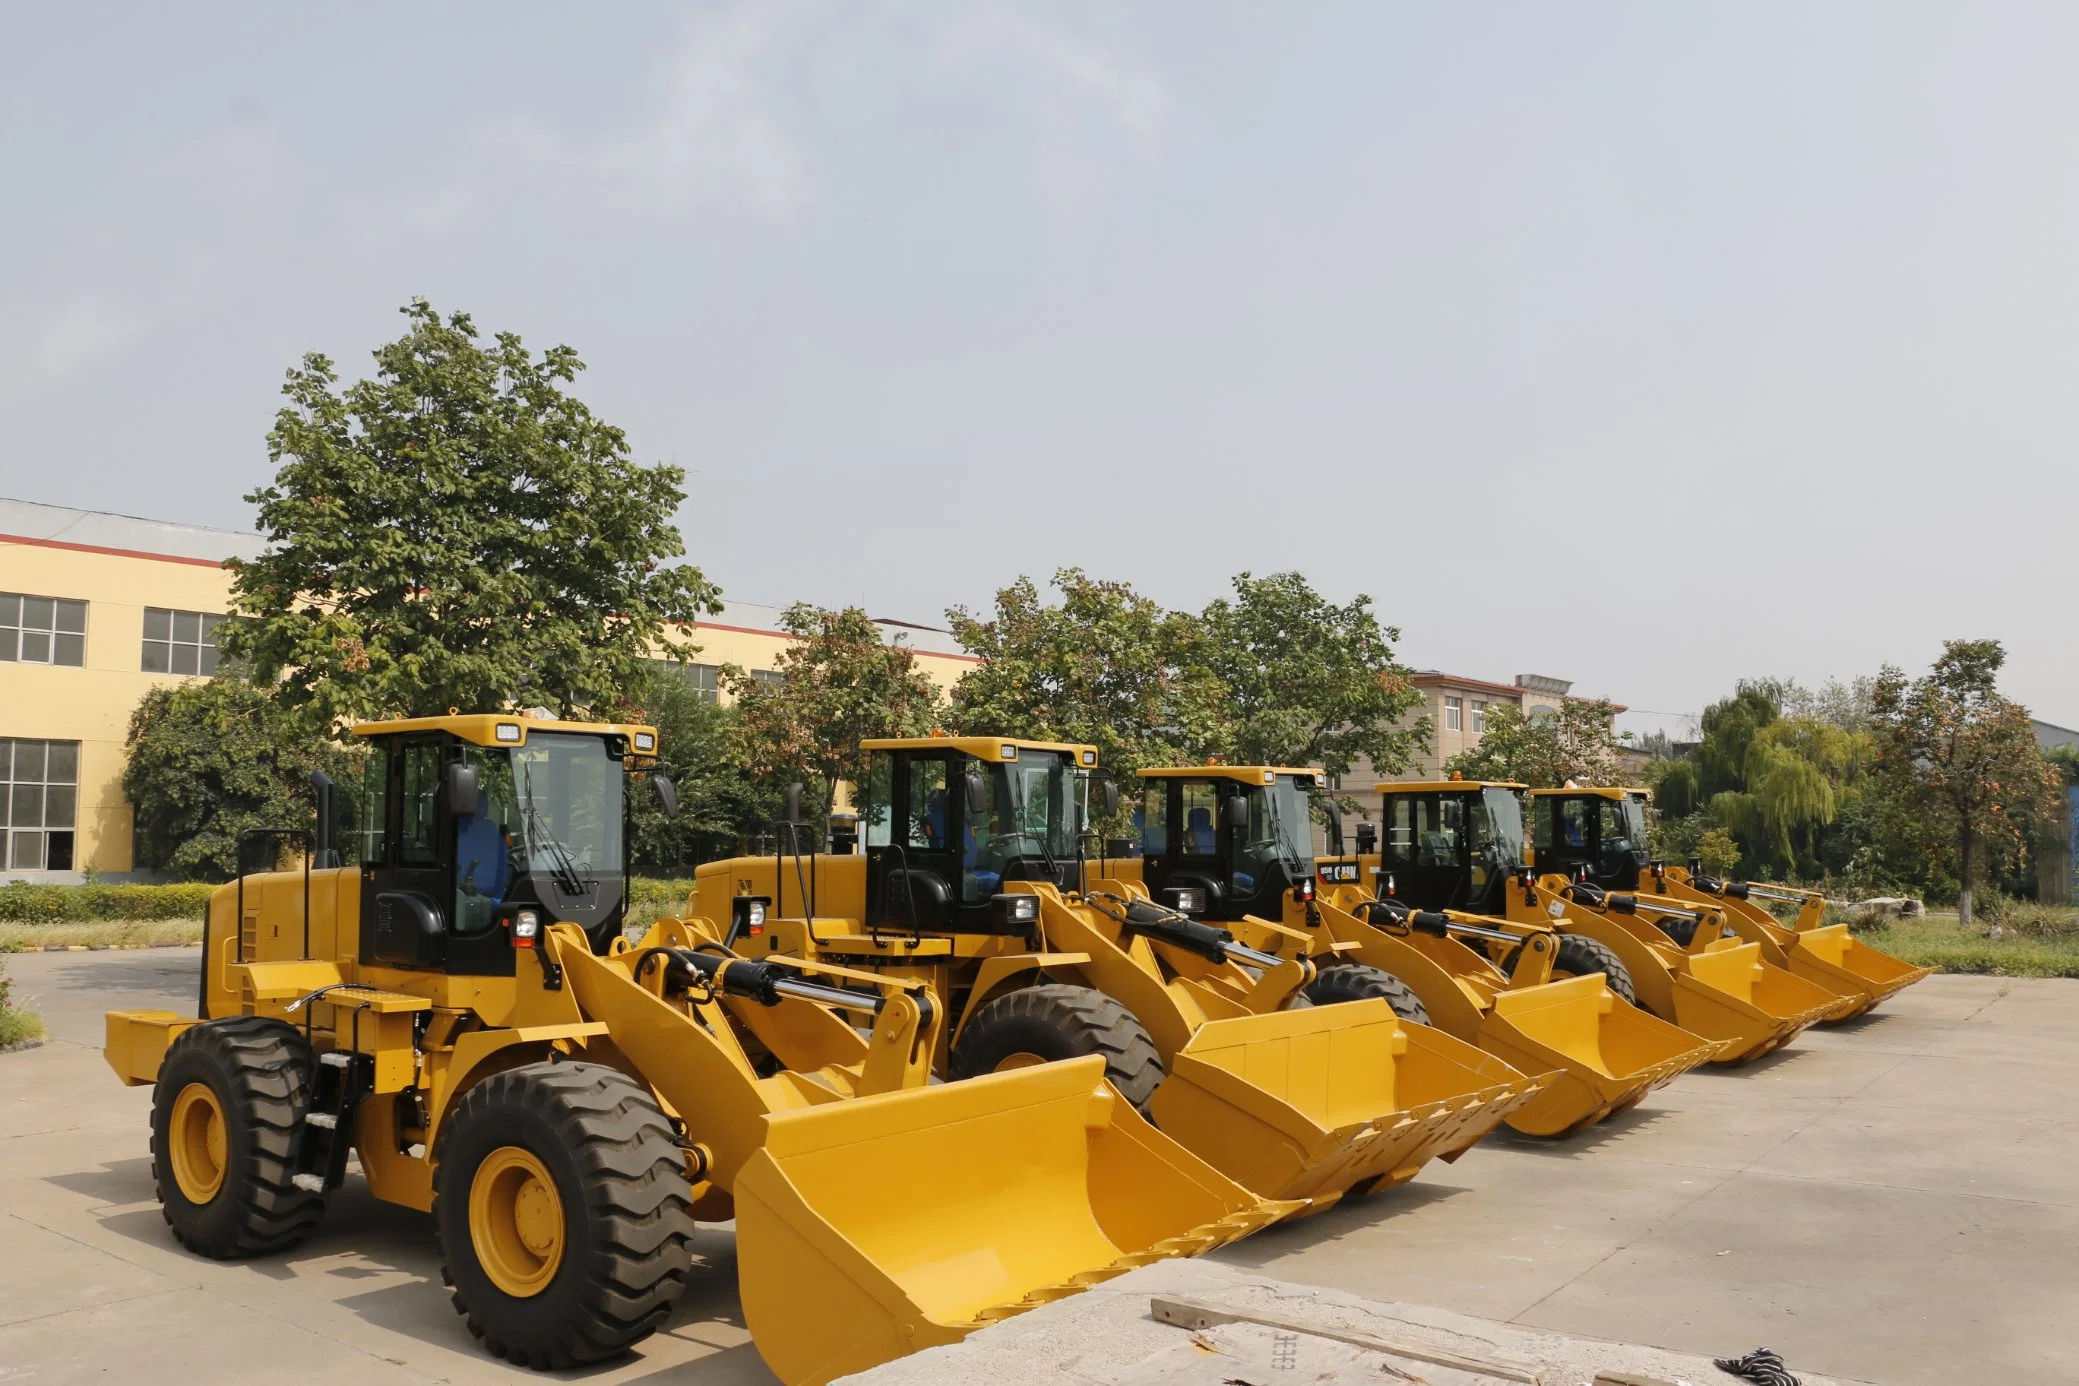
563	867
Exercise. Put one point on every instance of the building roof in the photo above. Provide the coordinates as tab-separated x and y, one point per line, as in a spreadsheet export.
1433	677
2050	736
98	531
755	618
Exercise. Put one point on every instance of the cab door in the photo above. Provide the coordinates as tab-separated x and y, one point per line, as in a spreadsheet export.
407	878
1423	851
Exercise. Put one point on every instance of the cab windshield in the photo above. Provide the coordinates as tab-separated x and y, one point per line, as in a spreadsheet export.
1498	829
547	828
1032	813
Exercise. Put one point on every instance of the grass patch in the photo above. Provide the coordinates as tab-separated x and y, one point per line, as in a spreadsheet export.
17	1026
107	933
1936	941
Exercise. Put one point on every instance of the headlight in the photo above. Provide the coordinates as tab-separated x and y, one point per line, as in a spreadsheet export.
526	928
1185	899
750	913
645	741
1017	909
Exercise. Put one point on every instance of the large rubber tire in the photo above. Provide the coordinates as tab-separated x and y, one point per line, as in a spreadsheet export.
1579	955
1682	931
1060	1021
1357	982
624	1249
256	1073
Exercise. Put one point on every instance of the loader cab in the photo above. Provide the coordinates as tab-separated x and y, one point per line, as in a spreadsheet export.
1601	832
947	822
471	823
1242	835
1450	844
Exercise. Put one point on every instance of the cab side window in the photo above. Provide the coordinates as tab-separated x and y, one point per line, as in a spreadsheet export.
878	809
418	845
375	805
1152	818
928	810
1201	810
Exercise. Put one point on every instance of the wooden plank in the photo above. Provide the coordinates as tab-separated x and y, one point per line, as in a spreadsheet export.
1199	1314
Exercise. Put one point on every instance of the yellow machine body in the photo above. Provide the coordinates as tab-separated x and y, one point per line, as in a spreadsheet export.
1826	955
1011	1191
1307	1104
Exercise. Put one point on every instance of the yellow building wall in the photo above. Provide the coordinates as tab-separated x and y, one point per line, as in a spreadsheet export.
92	704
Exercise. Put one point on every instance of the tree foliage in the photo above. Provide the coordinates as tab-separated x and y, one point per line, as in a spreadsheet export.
1954	752
1106	667
719	808
1576	743
1308	682
457	531
840	683
209	759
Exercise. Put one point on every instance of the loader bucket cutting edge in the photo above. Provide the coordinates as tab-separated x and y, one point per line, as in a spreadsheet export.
1606	1055
1834	958
875	1227
1729	995
1309	1104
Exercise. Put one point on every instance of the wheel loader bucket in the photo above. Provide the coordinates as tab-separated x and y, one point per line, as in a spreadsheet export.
1728	994
1312	1103
1832	957
1603	1053
872	1228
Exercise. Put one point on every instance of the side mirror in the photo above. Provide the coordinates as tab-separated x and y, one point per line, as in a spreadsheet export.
667	793
793	802
461	790
977	795
1367	839
1107	799
1236	810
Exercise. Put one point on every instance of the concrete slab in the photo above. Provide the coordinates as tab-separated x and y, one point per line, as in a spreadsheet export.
1891	1198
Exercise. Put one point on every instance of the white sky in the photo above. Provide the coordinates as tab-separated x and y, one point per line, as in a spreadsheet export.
1648	345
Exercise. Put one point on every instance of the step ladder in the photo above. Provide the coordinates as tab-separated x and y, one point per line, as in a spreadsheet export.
326	1133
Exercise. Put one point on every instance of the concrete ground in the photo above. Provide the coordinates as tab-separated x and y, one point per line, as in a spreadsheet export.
1890	1201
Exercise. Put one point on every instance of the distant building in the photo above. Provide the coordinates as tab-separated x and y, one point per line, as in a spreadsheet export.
97	609
2055	869
1457	707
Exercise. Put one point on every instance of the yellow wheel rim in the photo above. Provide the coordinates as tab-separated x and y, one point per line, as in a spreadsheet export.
199	1142
1021	1059
516	1221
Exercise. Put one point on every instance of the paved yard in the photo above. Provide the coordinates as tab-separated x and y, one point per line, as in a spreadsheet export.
1894	1201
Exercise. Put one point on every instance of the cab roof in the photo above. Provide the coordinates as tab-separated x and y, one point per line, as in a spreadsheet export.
995	748
1443	786
1601	791
482	728
1244	774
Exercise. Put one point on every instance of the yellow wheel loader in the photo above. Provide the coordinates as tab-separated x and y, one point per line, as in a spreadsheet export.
970	882
1600	833
1236	843
1678	959
461	1011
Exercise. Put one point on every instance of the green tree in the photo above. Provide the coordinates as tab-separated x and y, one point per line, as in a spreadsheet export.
1107	667
1952	752
1546	750
209	759
458	531
698	746
840	683
1309	682
1717	852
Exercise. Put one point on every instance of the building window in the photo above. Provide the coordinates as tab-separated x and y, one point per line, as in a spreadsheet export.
1454	714
770	678
39	799
1479	718
180	642
702	677
42	630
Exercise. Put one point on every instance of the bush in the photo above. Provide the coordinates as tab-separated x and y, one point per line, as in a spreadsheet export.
17	1026
24	903
2032	920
